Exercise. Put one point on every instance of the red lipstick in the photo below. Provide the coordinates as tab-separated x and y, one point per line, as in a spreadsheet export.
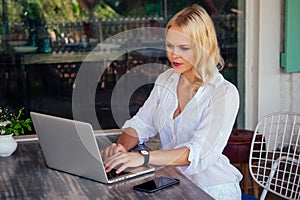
176	64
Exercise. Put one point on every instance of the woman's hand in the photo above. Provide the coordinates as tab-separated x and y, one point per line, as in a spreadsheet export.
112	150
124	160
116	156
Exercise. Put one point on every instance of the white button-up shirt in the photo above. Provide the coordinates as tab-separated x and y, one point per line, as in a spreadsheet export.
204	126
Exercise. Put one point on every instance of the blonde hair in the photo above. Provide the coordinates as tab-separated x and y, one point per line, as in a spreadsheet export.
197	24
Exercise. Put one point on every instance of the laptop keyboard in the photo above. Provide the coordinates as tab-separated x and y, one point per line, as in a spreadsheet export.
113	174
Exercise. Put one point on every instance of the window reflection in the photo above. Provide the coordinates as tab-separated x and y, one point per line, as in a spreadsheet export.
42	48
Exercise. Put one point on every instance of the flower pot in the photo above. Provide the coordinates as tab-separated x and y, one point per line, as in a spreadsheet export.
8	145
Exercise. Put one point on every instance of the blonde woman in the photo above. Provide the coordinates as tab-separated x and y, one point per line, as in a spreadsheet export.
191	106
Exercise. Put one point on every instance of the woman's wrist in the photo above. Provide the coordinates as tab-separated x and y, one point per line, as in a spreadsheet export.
176	157
146	155
128	139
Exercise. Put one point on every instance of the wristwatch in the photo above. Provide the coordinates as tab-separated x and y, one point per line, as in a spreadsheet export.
145	153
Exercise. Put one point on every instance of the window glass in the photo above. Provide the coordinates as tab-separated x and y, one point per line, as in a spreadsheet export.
44	42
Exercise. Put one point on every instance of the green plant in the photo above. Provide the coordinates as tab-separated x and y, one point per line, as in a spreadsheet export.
15	125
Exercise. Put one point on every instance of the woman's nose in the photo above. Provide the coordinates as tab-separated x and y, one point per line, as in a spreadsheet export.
174	54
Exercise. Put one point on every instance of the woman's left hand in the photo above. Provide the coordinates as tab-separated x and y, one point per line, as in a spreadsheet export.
124	160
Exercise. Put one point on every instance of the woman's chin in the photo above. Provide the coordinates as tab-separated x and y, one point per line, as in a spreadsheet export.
179	70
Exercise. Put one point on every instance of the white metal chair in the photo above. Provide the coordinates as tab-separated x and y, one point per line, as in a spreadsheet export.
274	157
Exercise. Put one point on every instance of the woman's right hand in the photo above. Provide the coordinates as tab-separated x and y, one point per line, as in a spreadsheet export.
112	150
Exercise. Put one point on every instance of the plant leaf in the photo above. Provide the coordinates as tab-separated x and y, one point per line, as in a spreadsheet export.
17	126
28	120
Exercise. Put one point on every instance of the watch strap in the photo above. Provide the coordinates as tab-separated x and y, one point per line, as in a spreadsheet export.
146	156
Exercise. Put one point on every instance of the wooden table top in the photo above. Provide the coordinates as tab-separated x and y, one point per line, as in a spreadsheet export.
24	175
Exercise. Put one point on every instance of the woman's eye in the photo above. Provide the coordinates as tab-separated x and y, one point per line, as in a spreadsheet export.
169	46
185	48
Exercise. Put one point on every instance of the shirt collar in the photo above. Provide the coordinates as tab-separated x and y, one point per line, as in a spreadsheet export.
175	76
215	81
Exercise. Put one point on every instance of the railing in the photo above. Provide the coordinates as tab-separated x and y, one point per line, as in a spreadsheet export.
65	36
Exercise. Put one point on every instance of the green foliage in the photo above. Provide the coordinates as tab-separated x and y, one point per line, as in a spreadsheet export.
67	10
129	8
13	11
55	10
105	12
32	15
16	125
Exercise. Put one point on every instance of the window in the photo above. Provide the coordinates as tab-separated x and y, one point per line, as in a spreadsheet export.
44	45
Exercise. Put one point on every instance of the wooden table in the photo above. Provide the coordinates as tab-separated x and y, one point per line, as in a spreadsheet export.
77	57
25	60
24	175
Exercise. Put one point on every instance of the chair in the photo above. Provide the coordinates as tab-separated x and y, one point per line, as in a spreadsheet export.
274	156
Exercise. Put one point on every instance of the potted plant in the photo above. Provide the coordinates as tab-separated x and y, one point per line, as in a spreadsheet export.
35	21
11	124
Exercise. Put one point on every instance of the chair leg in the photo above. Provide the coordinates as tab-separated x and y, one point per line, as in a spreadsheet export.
245	172
255	189
275	165
263	194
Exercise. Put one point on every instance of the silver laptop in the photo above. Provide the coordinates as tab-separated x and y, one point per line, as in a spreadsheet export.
71	146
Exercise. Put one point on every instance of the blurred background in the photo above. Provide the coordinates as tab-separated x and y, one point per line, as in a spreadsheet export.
44	42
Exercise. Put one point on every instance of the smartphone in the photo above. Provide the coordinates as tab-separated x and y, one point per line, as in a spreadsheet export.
156	184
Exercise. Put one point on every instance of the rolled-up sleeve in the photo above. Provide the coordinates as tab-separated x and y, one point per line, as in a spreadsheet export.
210	138
142	122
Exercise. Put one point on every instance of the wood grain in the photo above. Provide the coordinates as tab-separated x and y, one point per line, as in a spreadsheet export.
24	175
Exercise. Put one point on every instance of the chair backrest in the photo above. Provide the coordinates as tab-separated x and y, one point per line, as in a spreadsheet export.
274	157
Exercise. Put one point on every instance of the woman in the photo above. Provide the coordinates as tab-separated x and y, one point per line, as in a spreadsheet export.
191	106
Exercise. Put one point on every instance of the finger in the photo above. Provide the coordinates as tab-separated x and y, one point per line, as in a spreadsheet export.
108	151
118	160
112	165
112	159
105	153
102	152
115	150
119	148
108	169
131	160
111	150
122	168
122	148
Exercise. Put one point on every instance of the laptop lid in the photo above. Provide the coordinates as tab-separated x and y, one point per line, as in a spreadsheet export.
71	146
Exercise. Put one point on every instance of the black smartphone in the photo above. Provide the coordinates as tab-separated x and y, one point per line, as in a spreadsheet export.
156	184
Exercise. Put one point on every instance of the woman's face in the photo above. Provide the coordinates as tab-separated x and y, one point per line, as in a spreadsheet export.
179	50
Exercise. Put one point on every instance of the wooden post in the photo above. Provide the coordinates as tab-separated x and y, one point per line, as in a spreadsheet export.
5	25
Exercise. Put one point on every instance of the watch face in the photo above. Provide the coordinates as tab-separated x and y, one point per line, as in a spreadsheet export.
144	152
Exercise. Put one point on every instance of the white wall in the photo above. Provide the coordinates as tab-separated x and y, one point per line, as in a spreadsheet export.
262	72
251	62
290	92
269	57
267	88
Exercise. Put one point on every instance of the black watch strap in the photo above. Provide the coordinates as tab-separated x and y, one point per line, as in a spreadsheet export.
145	153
